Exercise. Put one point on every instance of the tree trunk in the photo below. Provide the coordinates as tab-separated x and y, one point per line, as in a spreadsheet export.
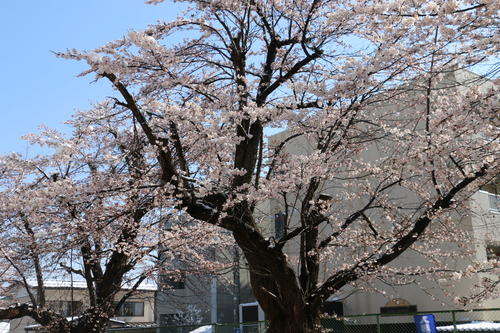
95	322
287	313
89	322
293	318
276	288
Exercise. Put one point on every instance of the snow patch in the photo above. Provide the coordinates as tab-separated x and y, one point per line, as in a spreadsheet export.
4	327
474	326
203	329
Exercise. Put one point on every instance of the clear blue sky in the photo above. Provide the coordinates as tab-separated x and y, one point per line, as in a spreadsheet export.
35	86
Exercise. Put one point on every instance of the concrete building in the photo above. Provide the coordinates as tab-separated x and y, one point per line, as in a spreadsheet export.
482	221
204	299
221	303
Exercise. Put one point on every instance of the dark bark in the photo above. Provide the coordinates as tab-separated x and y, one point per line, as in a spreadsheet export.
275	286
56	323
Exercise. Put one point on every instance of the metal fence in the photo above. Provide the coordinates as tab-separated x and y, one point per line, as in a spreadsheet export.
478	321
253	327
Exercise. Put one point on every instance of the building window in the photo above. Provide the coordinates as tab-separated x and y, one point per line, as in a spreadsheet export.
168	225
398	305
494	202
67	308
176	284
279	224
399	309
493	251
130	309
169	282
167	319
333	308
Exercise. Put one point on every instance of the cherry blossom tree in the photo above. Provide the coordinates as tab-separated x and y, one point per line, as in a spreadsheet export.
392	146
85	212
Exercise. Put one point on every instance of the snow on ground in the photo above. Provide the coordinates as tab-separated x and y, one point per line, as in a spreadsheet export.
203	329
4	327
474	326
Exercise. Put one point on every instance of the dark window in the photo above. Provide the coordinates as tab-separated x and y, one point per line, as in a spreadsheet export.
169	282
176	284
493	251
333	308
399	309
131	309
279	224
250	313
67	308
168	226
167	319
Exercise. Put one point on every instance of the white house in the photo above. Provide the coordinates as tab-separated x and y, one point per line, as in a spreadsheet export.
71	300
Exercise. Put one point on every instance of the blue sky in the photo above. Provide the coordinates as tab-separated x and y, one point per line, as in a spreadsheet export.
35	86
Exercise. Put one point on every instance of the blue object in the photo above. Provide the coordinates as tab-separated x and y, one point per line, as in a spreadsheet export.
237	330
425	323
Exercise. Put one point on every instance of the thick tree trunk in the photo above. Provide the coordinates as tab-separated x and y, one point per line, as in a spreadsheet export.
293	318
55	323
287	324
286	311
96	322
277	289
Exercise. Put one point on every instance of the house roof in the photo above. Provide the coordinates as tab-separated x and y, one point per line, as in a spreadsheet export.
79	284
112	322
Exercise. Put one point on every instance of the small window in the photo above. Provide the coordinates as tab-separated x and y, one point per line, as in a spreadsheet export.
398	305
131	309
279	224
250	313
494	202
67	308
173	283
168	225
176	284
399	309
167	319
493	251
332	308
